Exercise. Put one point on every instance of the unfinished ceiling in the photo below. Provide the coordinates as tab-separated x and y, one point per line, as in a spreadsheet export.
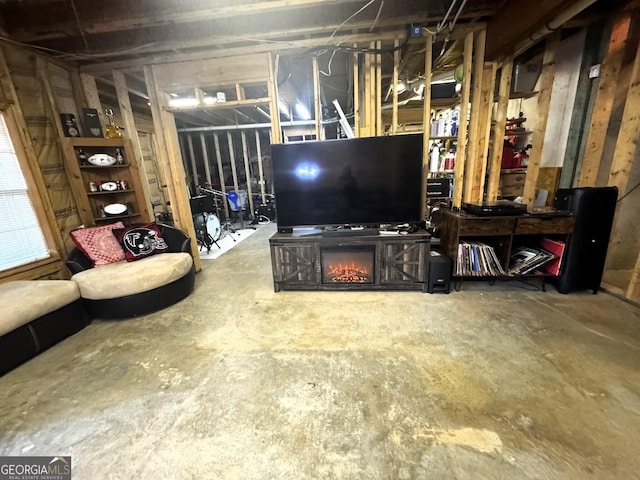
128	34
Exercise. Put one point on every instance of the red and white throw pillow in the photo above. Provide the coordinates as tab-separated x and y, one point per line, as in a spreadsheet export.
99	244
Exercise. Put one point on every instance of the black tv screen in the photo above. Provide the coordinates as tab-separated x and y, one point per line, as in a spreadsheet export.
360	181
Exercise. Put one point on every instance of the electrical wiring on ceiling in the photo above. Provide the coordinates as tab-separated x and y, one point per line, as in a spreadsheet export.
441	26
75	13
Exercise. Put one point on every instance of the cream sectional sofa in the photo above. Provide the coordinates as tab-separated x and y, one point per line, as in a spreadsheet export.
35	315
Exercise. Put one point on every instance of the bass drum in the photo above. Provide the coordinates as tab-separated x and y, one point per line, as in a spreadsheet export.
213	228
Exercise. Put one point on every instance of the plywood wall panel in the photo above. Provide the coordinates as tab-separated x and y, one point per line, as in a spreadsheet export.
44	136
212	72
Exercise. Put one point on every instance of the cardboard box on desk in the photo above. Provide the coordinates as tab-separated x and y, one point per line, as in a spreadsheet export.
512	184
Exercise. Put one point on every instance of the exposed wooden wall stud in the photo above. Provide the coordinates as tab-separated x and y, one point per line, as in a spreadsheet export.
544	100
603	104
461	152
495	160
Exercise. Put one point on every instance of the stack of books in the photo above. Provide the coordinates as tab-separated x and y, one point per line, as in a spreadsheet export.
477	259
528	259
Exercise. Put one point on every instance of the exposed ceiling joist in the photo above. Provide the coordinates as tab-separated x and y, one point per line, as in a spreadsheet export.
287	38
136	65
122	22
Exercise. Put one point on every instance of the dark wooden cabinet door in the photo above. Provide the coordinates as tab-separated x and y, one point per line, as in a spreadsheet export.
295	263
404	262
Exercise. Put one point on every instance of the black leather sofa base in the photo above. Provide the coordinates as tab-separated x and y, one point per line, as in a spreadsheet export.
29	340
144	302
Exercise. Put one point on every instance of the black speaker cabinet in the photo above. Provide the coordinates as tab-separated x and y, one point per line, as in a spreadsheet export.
439	279
585	255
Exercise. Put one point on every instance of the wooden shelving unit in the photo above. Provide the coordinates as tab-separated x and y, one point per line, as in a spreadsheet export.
502	233
91	203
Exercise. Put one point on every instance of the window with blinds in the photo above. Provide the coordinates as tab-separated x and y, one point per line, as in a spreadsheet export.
21	238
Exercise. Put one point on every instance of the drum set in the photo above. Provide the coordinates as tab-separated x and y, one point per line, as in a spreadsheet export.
205	209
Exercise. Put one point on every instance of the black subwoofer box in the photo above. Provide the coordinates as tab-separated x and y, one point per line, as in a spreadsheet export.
439	279
583	260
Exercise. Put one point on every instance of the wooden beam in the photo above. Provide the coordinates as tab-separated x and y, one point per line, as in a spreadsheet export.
131	132
372	92
629	133
132	91
260	168
632	289
232	159
192	160
78	92
426	117
250	68
199	94
366	96
92	96
49	269
537	137
169	156
230	104
356	94
46	214
233	52
378	99
603	104
44	76
205	157
484	130
161	174
272	85
247	170
498	130
473	164
240	94
394	85
178	16
223	186
317	108
462	129
581	112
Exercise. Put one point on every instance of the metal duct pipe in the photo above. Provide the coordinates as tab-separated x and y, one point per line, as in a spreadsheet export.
554	24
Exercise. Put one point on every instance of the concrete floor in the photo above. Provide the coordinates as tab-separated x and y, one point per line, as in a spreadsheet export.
238	382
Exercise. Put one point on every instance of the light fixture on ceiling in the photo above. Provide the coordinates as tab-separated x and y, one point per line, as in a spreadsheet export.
183	102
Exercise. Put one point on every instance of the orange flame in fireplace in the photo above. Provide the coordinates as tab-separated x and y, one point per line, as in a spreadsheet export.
347	273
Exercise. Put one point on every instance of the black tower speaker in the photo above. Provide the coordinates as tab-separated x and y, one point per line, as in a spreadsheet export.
439	278
584	257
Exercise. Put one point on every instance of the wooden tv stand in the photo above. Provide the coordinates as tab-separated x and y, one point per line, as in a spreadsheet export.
400	262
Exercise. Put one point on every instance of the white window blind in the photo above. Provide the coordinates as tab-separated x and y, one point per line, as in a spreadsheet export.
21	238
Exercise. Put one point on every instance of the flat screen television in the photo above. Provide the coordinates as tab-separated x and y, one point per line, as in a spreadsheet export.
359	181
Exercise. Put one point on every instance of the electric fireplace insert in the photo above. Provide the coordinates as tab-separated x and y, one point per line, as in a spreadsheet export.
354	265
